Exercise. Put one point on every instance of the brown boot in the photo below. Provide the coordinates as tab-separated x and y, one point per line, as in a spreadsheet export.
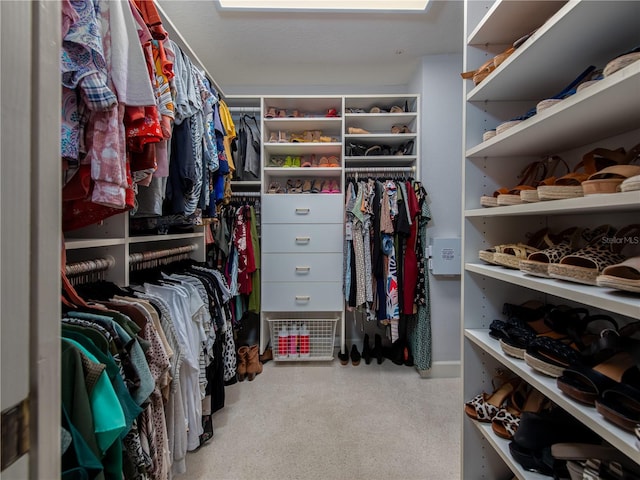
241	368
254	367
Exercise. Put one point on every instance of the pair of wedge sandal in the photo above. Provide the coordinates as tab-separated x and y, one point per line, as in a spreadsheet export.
509	254
604	250
612	385
601	170
623	276
530	176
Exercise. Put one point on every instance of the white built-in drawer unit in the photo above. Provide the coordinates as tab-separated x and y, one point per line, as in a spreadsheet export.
302	238
302	296
309	267
302	208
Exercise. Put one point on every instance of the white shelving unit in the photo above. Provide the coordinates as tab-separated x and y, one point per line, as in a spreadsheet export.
606	114
112	237
302	233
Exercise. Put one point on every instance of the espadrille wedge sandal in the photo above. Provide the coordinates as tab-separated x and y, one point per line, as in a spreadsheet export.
584	265
508	254
564	243
570	185
530	176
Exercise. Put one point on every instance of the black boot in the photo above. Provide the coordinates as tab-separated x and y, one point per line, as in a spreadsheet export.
377	349
355	355
366	349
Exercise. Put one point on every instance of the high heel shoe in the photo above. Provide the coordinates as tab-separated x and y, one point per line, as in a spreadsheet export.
355	355
377	349
366	349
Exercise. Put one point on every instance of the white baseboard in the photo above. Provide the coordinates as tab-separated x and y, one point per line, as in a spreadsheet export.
443	369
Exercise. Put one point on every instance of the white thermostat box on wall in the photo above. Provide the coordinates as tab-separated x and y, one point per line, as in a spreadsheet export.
444	256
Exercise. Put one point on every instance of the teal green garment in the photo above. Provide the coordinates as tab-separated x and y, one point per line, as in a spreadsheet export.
108	416
254	296
130	408
78	461
76	403
96	338
138	360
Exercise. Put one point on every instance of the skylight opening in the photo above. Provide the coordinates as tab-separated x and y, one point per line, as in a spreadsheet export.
327	5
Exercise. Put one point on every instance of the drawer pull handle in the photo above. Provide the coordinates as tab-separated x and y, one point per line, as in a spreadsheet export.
303	211
303	269
303	298
303	239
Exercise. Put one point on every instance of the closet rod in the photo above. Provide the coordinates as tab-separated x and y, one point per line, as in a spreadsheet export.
378	169
89	266
245	194
245	109
156	254
177	37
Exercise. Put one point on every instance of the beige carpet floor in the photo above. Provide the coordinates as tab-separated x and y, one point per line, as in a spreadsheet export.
326	421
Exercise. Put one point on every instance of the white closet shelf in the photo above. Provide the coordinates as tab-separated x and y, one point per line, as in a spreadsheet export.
614	301
304	123
572	122
165	238
606	202
384	138
382	160
620	439
304	148
302	172
501	446
80	243
506	21
560	45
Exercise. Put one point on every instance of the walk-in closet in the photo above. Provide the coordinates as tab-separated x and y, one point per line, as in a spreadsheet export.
320	240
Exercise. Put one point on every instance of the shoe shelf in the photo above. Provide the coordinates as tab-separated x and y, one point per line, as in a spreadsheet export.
559	50
606	108
383	102
505	20
281	172
320	148
605	114
382	161
380	122
594	296
607	202
620	439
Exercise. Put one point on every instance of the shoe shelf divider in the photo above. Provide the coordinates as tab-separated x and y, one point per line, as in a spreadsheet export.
606	114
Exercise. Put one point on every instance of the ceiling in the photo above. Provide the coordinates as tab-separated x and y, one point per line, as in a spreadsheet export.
244	51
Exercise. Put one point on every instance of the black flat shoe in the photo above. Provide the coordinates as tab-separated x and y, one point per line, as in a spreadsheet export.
366	349
343	357
355	356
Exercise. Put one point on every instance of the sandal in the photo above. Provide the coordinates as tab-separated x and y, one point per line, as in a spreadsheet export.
621	404
581	346
557	323
622	276
506	422
317	185
530	175
586	383
609	179
570	185
562	244
510	254
400	129
630	184
405	149
306	186
357	131
517	317
274	187
305	161
333	161
483	407
584	265
553	162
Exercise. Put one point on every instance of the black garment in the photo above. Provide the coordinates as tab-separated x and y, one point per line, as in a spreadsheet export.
182	169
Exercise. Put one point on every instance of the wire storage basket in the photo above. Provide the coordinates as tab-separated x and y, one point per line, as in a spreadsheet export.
302	339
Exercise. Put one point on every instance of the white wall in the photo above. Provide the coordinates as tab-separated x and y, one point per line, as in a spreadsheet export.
440	85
